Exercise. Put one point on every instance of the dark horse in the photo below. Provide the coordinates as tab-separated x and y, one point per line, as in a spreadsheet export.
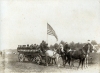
61	52
80	54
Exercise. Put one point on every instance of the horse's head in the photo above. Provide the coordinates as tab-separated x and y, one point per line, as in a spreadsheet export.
61	48
92	48
88	48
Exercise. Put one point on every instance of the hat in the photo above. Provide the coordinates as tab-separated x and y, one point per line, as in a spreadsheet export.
27	44
88	41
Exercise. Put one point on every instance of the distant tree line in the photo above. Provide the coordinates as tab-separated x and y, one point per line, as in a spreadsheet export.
72	45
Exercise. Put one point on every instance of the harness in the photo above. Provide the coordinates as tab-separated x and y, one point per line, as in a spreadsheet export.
54	53
84	52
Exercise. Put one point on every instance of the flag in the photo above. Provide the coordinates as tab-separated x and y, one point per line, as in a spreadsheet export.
50	31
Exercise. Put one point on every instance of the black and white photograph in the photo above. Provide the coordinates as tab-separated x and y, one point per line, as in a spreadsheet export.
49	36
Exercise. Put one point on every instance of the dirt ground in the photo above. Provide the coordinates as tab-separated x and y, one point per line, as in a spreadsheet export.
10	64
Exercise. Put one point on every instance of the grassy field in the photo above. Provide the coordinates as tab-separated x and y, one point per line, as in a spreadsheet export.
10	64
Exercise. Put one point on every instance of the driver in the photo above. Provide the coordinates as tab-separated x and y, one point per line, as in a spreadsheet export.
66	47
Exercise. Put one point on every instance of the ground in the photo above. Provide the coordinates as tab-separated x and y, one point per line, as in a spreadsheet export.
10	64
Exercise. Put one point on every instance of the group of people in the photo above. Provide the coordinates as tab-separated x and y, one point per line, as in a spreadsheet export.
27	46
43	45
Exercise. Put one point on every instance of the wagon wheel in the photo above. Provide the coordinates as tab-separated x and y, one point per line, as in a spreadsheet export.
30	59
21	57
38	59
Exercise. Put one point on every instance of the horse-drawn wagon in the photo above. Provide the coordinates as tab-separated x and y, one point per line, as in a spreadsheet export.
29	53
40	54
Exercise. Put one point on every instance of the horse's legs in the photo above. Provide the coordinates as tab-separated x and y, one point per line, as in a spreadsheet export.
87	62
79	63
49	60
72	63
46	60
69	62
54	61
57	60
83	62
64	61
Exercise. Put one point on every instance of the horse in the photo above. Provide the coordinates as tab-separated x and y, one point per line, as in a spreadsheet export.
87	56
53	59
49	54
81	54
62	53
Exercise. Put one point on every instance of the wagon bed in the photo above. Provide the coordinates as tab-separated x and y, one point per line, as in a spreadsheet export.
30	54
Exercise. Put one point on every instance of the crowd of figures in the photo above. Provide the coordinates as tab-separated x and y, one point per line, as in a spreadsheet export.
35	46
64	51
28	47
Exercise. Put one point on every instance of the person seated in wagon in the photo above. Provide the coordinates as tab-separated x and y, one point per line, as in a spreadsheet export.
44	47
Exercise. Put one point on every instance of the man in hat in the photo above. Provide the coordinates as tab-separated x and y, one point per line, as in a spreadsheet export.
66	47
86	59
88	41
28	47
63	51
43	46
34	46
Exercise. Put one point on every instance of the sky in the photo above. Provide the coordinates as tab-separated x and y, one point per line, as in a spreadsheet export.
25	21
